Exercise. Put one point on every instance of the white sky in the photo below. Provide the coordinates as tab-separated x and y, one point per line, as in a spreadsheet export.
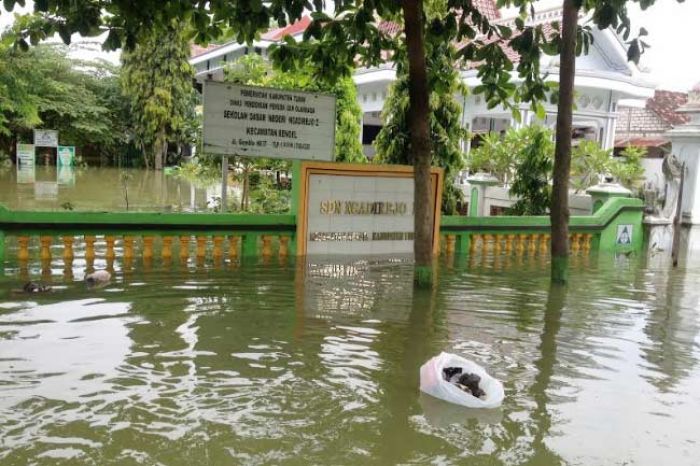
674	31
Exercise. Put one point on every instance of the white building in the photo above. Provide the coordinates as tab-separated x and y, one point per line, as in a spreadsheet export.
604	77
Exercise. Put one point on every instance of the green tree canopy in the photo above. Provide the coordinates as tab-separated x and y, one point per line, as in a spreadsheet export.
44	88
446	131
157	80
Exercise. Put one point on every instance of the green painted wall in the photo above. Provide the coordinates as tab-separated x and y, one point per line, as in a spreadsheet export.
616	213
474	203
603	225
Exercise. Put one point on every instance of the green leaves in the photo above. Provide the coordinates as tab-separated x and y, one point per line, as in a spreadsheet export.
446	132
157	80
533	171
41	87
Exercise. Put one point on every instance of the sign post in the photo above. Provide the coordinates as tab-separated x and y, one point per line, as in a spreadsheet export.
359	209
46	138
266	122
26	163
66	156
65	162
224	182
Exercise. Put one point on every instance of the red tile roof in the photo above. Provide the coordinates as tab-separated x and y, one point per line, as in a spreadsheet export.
289	30
646	127
487	8
658	116
196	50
641	141
665	104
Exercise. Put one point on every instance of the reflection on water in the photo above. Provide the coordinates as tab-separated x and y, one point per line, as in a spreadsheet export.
103	189
318	364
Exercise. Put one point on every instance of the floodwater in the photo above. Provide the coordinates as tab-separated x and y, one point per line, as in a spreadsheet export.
102	189
318	364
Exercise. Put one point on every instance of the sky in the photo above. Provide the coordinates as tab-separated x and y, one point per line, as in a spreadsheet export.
673	36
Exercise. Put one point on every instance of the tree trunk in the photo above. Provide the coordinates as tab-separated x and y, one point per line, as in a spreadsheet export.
160	148
419	151
559	211
146	157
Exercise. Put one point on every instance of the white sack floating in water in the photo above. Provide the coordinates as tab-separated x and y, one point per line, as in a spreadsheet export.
433	382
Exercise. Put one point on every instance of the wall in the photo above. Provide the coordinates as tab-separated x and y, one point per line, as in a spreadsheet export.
653	172
498	196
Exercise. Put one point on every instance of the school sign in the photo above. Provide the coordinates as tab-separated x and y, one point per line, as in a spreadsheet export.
266	122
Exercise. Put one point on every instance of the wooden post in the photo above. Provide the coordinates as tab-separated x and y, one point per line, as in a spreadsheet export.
147	249
267	246
128	259
532	245
166	251
509	243
675	245
23	253
544	244
520	249
224	183
217	251
184	248
110	248
233	245
128	248
89	249
45	253
201	248
284	246
485	240
68	248
450	244
472	243
587	239
574	242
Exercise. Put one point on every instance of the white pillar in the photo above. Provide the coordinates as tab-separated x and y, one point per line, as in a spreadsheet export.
685	144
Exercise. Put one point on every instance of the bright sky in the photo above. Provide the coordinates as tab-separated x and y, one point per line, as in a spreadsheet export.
673	35
674	32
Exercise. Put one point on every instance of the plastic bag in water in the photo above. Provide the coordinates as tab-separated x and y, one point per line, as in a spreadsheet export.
433	383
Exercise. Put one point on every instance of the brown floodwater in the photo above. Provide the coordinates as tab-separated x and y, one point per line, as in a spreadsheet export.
103	189
318	364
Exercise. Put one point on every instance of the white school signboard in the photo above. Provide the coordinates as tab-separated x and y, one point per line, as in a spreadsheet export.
45	138
359	209
265	122
25	163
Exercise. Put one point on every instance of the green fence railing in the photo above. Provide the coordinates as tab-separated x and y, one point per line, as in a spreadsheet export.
616	226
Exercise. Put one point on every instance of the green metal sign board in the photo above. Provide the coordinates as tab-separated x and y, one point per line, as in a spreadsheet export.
26	172
66	156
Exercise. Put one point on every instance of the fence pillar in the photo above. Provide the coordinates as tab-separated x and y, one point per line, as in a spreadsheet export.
250	245
2	252
480	181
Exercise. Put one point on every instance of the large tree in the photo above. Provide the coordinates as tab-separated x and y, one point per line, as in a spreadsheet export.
157	79
352	35
44	88
446	130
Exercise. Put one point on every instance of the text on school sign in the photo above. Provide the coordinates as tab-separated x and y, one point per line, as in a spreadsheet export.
265	122
360	209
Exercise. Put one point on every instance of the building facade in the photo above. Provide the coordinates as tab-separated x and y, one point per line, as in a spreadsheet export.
604	77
